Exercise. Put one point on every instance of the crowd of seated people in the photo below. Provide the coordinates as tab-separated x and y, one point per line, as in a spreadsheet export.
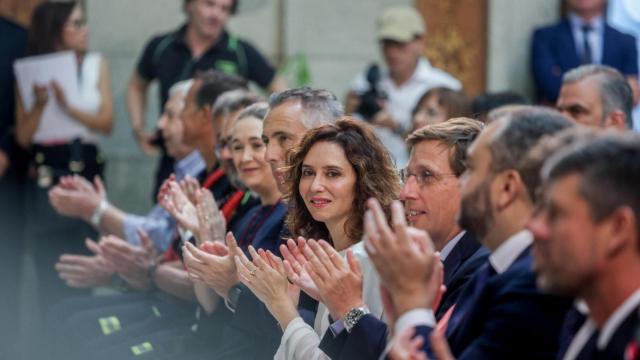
287	227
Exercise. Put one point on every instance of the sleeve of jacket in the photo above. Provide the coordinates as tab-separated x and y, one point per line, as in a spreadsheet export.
630	66
367	340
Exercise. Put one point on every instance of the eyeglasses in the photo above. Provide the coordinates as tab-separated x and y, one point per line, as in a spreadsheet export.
423	176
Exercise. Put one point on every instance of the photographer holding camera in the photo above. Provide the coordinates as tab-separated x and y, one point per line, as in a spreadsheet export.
385	97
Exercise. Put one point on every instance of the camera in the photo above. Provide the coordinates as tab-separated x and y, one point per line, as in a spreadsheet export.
371	99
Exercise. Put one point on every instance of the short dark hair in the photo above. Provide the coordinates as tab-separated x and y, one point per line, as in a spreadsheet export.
615	91
610	169
454	102
211	84
531	165
47	22
232	11
375	176
457	134
524	127
482	104
320	106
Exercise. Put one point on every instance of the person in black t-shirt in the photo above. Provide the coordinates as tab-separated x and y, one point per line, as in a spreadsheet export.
201	44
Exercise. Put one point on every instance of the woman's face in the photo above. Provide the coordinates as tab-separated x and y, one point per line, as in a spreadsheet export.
75	33
327	183
247	150
429	112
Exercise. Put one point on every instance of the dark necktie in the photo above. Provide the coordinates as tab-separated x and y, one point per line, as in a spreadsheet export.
470	296
587	56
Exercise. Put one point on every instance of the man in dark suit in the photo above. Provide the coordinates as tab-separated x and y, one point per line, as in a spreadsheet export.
431	195
500	314
13	39
586	240
583	37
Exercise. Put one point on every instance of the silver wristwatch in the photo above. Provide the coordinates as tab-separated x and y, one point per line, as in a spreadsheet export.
353	316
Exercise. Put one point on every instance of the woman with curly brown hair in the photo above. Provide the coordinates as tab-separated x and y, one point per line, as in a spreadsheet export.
333	172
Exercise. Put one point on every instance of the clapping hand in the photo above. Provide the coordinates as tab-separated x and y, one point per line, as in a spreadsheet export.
408	266
213	266
339	281
294	266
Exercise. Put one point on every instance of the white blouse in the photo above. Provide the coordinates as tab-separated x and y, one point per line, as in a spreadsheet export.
300	341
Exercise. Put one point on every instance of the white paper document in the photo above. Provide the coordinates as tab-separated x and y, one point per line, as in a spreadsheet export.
55	124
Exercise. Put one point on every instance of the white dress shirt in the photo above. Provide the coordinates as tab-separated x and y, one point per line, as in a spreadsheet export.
595	37
500	259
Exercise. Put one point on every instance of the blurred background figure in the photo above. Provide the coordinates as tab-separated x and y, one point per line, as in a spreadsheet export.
582	37
56	27
13	39
438	105
201	43
482	104
386	96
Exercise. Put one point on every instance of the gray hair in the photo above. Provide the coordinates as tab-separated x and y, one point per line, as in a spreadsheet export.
258	110
181	88
523	128
320	106
234	100
615	92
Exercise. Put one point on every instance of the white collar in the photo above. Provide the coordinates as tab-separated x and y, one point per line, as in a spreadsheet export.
577	22
446	250
614	321
509	251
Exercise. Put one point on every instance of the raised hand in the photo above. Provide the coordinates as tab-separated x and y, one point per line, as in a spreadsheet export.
294	261
215	271
178	205
266	278
211	222
408	267
339	282
190	187
80	271
131	262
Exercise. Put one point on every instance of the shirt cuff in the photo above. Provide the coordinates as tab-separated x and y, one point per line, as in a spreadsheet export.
413	318
337	328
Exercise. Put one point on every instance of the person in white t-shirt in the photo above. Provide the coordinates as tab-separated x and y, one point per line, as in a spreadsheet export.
386	96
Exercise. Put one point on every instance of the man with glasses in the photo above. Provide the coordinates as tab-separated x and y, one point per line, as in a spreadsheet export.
431	196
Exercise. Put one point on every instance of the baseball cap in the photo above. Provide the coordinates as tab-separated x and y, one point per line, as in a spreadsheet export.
400	23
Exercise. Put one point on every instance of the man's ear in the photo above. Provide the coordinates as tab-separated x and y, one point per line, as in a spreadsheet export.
616	119
509	185
620	231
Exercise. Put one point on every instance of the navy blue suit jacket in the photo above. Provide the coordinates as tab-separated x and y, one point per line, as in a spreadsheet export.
510	319
618	342
368	338
554	53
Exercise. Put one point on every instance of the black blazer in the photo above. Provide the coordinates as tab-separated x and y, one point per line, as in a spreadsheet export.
368	338
510	319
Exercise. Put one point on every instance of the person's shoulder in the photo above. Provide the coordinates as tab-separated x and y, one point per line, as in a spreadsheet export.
620	36
9	25
437	77
550	28
163	37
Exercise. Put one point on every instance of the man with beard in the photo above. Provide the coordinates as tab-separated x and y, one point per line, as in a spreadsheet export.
586	240
500	314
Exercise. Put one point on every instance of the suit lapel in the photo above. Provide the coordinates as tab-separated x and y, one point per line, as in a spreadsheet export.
466	247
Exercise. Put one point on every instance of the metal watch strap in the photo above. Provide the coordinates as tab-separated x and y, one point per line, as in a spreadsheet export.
353	316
